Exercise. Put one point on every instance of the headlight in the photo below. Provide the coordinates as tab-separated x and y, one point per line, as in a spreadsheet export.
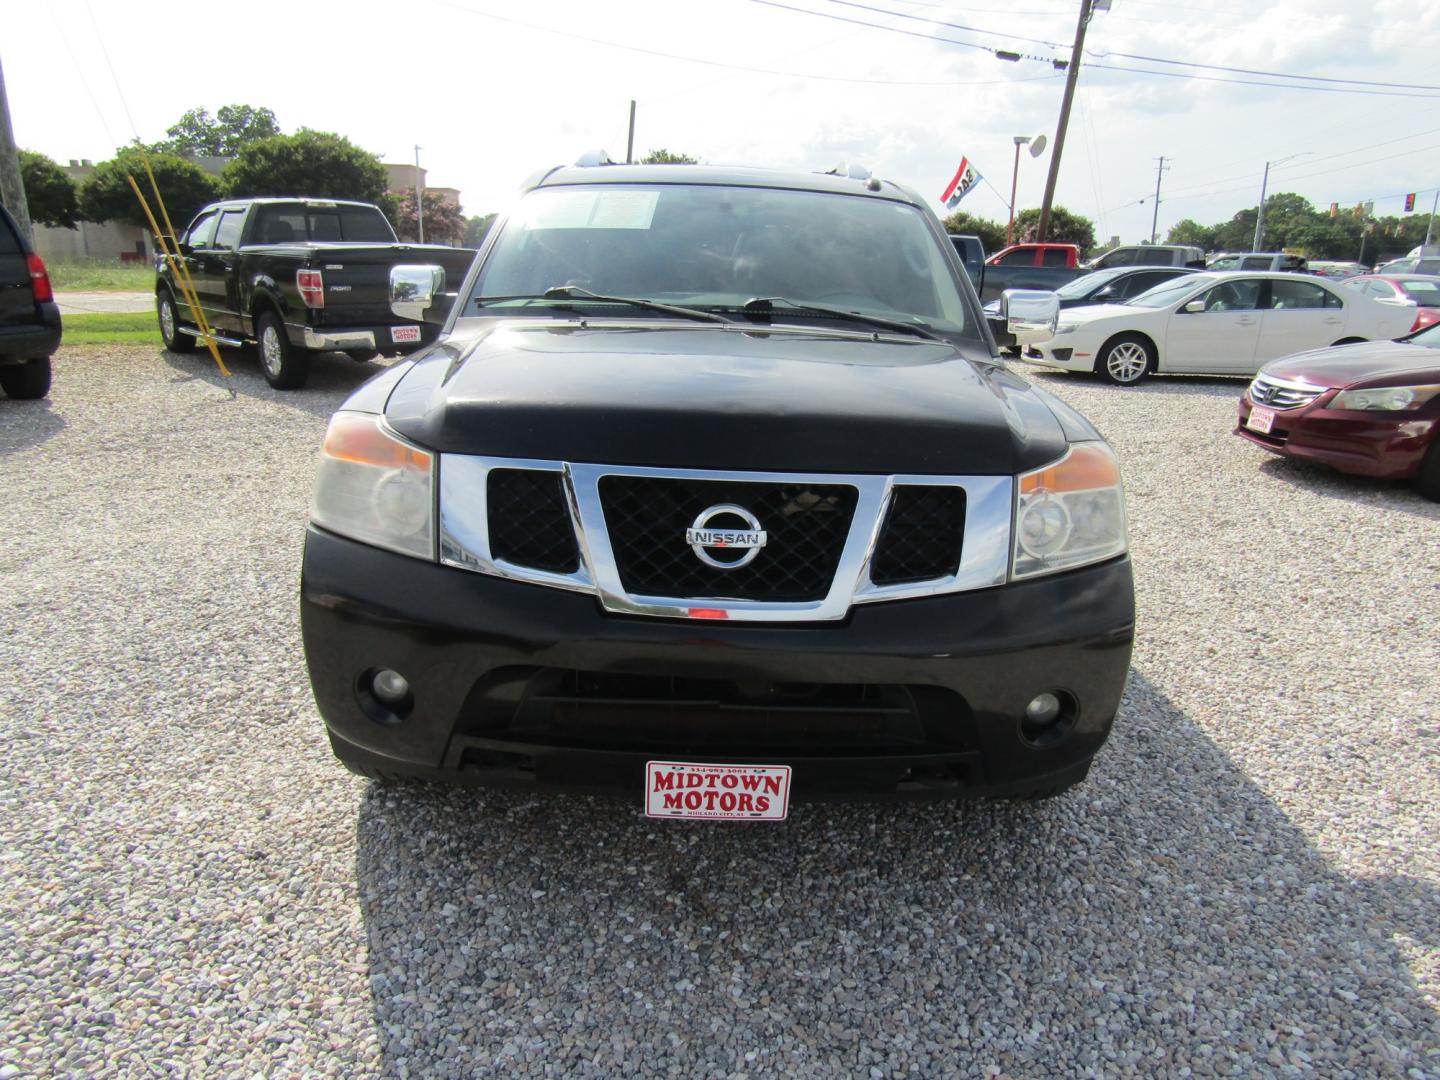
1385	398
1065	328
375	487
1069	513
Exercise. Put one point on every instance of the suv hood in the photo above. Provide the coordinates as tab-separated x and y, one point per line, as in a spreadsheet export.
741	397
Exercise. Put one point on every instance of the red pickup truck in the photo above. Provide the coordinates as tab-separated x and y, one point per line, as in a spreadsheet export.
1066	255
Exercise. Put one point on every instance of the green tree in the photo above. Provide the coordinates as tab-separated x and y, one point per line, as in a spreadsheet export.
444	221
233	127
309	163
665	157
476	229
1191	232
49	192
1065	228
185	187
991	233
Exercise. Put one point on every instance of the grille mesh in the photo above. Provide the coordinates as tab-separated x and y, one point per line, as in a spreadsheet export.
529	521
921	537
806	526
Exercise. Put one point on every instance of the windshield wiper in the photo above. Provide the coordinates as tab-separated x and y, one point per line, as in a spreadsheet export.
567	292
765	305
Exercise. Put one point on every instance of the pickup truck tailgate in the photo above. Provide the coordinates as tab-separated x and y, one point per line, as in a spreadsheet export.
356	277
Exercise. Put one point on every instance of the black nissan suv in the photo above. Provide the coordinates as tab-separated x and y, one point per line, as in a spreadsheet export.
29	319
713	490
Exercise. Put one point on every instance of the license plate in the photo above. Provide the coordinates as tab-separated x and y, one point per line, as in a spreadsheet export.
405	333
1261	420
688	789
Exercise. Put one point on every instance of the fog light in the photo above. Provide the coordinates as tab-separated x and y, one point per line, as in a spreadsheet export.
1043	709
392	688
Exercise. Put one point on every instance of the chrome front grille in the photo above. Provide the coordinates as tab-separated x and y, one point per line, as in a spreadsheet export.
1280	394
830	540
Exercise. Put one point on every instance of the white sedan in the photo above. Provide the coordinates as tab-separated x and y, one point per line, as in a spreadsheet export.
1214	324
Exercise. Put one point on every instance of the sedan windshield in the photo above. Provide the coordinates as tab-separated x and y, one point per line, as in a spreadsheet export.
715	248
1172	292
1088	283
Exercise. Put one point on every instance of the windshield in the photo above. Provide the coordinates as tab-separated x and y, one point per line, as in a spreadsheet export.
1084	286
1171	292
1424	292
1225	262
713	247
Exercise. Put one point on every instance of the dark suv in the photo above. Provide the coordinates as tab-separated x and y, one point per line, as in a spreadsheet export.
29	319
713	488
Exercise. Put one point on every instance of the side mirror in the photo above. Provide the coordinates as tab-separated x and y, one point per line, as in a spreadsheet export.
413	288
184	248
1030	314
1104	292
1195	307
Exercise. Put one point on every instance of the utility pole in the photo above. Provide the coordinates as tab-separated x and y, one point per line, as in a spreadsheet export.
630	140
12	185
1087	9
1429	226
419	199
1260	214
1155	216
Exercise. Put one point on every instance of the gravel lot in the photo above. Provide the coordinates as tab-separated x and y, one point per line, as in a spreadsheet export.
1248	884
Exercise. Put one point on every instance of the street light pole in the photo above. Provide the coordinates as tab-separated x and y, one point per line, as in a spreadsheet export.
1155	216
1260	214
1430	225
1020	140
419	199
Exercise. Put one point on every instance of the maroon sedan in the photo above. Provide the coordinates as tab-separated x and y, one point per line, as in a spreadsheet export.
1371	408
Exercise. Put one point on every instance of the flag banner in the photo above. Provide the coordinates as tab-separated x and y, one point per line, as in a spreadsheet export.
965	178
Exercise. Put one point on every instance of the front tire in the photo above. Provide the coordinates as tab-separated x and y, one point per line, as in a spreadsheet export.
28	381
1427	481
285	367
175	341
1125	360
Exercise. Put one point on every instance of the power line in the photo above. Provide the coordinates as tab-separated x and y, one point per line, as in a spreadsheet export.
1253	82
741	67
948	25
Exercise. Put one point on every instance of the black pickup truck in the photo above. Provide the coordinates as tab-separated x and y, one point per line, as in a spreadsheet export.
713	483
297	276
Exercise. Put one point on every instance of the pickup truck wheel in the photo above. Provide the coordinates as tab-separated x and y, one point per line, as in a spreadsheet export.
1125	360
170	325
27	381
285	367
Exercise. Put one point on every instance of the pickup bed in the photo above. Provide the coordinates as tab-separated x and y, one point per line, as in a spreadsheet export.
296	276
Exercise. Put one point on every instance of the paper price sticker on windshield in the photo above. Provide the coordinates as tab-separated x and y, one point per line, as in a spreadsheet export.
681	789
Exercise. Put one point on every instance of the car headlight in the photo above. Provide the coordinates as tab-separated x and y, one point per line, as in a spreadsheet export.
375	487
1066	328
1385	398
1069	513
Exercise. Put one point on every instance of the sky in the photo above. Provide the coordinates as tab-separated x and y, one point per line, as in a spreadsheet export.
494	91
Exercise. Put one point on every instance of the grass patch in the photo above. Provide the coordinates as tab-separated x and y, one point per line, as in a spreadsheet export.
111	328
101	275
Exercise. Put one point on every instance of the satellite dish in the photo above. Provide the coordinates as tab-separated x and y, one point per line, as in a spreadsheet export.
1037	146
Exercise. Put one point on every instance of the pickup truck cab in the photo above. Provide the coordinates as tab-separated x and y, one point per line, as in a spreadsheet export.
713	480
1030	266
29	317
296	276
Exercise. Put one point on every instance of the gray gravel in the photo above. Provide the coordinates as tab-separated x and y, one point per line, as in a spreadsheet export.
1248	884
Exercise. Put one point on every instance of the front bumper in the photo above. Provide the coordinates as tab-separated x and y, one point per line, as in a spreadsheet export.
483	657
32	340
1056	353
1389	445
